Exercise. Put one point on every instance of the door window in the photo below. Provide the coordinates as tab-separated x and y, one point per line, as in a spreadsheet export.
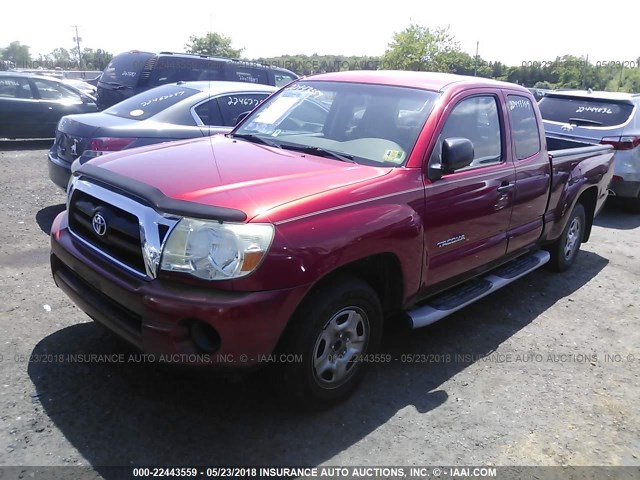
14	87
53	91
233	105
477	119
524	126
208	113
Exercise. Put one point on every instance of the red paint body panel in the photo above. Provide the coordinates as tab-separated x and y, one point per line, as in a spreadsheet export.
328	214
236	174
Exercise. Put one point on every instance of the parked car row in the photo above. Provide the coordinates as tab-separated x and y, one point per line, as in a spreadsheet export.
32	104
130	73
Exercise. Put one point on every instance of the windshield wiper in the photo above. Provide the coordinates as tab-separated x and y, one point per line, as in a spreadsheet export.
255	139
584	121
320	152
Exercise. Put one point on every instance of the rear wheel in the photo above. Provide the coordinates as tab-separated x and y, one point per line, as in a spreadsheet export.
338	325
565	250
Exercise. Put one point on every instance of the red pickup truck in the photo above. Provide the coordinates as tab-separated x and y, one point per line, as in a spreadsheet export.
345	200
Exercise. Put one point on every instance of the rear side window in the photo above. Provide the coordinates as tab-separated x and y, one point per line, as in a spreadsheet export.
585	112
149	103
174	69
239	73
125	69
233	105
14	87
209	113
524	126
283	79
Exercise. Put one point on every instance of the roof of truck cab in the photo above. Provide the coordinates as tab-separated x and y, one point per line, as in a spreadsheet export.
435	81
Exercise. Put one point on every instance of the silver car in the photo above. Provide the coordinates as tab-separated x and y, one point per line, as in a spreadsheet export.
601	117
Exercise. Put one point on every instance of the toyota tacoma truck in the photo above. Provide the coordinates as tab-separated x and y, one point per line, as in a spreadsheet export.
346	200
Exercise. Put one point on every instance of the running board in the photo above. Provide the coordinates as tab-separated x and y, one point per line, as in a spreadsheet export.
459	297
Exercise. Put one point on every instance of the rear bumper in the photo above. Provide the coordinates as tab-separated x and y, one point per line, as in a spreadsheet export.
59	170
626	171
156	316
624	188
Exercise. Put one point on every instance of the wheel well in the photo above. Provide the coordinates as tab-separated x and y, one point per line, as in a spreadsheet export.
382	272
588	199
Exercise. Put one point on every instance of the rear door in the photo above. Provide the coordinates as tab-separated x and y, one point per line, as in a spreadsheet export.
20	112
468	211
533	172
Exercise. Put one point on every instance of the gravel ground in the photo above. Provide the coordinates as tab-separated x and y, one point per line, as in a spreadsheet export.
544	372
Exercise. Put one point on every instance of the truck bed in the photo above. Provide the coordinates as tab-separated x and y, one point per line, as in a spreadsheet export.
564	147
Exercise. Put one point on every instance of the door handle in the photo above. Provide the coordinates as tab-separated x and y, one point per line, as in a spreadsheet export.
505	187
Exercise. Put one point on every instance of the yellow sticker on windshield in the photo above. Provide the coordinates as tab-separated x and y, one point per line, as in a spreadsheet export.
395	156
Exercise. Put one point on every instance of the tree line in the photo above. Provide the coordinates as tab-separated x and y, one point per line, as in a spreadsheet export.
415	48
17	55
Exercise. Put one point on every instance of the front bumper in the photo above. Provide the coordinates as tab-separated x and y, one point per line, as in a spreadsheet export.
156	315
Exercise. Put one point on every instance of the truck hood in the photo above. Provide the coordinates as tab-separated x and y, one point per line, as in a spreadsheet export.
225	172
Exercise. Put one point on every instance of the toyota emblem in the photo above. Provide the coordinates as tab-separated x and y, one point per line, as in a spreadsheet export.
99	224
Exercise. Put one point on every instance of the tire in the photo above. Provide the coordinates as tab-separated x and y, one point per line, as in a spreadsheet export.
565	250
338	325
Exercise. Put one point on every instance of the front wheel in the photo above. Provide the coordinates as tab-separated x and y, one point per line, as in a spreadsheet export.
337	326
565	250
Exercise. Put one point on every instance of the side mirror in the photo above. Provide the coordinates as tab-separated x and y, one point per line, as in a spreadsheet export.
242	116
87	99
457	153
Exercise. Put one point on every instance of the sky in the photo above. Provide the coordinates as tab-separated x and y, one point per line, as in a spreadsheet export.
506	31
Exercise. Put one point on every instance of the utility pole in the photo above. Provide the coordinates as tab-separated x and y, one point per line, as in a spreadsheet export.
620	81
77	39
475	69
584	72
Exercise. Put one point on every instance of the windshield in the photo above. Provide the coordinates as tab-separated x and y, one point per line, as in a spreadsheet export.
585	112
368	124
151	102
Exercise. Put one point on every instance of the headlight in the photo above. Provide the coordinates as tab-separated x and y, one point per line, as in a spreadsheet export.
215	251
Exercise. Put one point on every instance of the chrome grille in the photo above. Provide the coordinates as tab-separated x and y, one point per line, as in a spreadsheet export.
122	237
134	233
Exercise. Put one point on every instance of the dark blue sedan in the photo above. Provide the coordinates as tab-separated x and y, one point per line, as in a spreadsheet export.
31	105
169	112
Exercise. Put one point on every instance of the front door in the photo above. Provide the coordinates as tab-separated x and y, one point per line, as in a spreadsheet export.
20	112
56	101
468	211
